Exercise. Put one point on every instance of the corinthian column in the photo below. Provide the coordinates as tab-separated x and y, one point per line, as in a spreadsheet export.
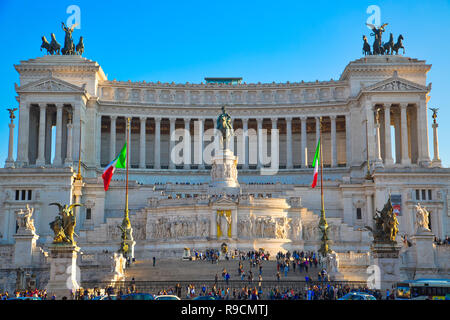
387	136
187	144
378	159
69	160
23	134
158	143
289	143
406	160
260	142
171	142
304	150
142	128
201	164
245	141
436	160
333	142
40	161
57	160
112	139
10	160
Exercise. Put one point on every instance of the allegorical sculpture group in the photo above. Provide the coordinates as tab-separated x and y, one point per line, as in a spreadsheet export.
379	47
386	224
69	48
64	224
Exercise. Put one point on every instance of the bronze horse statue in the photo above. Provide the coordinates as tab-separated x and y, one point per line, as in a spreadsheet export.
80	47
366	47
45	44
388	47
54	45
398	45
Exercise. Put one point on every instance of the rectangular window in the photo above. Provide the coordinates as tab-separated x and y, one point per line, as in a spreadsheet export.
29	194
424	195
17	195
429	195
88	214
417	194
358	214
23	194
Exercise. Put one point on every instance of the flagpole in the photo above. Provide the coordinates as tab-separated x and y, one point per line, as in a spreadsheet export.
323	225
126	217
79	157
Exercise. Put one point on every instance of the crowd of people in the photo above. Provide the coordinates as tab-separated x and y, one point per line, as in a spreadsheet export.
439	242
213	255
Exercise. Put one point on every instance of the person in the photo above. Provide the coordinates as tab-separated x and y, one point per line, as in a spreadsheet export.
278	276
154	261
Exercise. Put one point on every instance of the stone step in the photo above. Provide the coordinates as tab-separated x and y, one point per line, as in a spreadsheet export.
176	269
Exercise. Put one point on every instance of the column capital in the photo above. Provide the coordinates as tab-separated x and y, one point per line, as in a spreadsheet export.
259	120
245	119
59	106
303	118
333	117
157	119
143	119
403	105
42	105
288	119
274	119
113	117
187	120
172	120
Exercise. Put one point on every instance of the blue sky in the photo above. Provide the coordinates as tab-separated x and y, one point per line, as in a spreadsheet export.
261	41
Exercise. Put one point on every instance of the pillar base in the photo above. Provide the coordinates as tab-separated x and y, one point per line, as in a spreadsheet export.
68	163
40	163
406	162
386	258
9	164
24	248
64	272
424	162
378	163
57	162
436	163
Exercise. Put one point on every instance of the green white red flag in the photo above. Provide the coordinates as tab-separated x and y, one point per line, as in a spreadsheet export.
119	162
316	164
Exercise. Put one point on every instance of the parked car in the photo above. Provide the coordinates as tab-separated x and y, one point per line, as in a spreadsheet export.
24	298
138	296
105	297
357	296
167	297
205	298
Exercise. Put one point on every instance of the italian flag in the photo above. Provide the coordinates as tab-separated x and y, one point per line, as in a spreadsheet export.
316	163
119	162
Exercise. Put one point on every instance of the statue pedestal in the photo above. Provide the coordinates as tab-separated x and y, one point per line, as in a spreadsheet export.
423	244
386	258
332	267
119	267
24	248
224	174
63	270
131	243
187	254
